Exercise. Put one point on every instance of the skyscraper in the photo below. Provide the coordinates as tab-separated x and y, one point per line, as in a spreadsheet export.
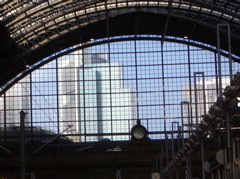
102	104
68	96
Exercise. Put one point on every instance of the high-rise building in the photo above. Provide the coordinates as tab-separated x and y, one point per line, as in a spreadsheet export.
105	105
94	100
67	96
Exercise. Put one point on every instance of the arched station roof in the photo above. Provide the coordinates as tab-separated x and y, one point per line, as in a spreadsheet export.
31	30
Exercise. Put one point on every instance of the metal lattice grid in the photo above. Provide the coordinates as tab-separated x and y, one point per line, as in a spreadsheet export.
101	91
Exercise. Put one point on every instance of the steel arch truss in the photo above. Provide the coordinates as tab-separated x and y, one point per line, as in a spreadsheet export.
35	25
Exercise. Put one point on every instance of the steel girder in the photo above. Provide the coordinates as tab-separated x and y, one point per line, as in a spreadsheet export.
31	27
33	23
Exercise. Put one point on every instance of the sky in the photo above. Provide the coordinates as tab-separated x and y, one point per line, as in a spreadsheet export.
155	80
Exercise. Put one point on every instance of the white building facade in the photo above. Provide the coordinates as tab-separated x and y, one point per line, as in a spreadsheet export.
94	100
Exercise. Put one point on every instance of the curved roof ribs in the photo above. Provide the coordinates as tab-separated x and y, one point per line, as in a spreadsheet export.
37	22
14	8
44	25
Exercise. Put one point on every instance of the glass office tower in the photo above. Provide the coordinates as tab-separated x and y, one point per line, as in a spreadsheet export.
104	106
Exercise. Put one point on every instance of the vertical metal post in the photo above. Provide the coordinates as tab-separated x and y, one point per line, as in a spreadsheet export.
234	150
202	159
229	52
225	162
57	91
58	101
172	141
173	153
31	105
218	173
84	99
204	94
5	117
229	147
188	172
237	148
136	74
219	62
110	69
229	140
119	174
219	54
182	120
79	136
164	103
201	75
166	148
163	88
189	119
22	135
179	135
205	111
178	143
190	83
196	101
136	60
216	73
185	103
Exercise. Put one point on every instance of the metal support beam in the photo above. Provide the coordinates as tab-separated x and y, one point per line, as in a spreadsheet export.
197	91
166	23
185	110
229	147
119	174
22	136
173	137
219	26
202	158
188	168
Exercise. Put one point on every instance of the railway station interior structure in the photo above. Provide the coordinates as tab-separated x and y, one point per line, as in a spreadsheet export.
120	89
